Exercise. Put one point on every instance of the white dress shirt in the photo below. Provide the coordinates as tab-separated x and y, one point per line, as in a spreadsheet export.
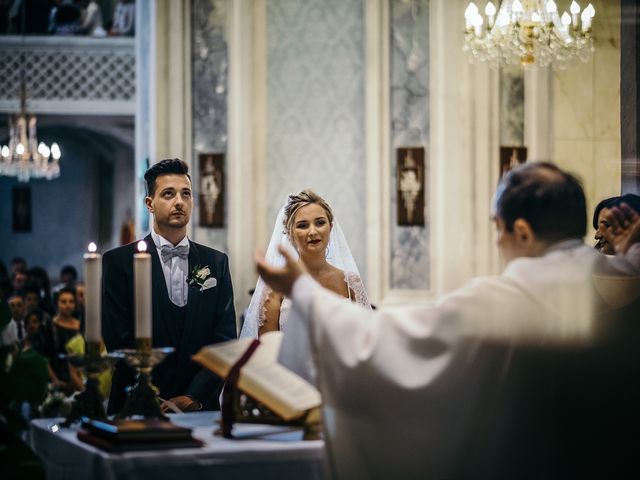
175	269
9	335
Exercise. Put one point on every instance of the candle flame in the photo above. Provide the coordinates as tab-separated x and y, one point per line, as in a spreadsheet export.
142	246
92	247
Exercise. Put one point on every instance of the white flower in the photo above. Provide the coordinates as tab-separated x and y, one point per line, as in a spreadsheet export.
203	273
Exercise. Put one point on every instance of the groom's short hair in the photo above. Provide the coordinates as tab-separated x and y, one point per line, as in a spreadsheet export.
164	167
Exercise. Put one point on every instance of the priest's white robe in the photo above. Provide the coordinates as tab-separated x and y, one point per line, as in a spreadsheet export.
401	386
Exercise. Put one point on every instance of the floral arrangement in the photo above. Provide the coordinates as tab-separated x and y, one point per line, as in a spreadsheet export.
200	276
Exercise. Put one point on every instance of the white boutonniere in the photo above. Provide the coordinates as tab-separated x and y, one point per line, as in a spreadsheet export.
201	277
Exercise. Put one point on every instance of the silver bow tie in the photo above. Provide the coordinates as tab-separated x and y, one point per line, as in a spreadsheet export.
168	252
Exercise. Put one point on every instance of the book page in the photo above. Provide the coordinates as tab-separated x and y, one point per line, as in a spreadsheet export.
220	357
279	389
268	350
263	378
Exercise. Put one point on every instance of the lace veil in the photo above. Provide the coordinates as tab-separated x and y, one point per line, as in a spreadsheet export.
338	254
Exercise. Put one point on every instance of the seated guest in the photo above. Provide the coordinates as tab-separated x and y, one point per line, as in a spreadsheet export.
68	278
38	277
8	330
30	373
91	22
60	333
13	333
124	16
307	223
33	301
466	388
66	20
18	264
18	282
34	324
600	225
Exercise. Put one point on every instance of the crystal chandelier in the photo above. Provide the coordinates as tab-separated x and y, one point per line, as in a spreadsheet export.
24	157
529	32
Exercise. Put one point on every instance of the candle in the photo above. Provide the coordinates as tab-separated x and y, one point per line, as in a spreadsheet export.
142	290
93	294
469	14
490	11
575	10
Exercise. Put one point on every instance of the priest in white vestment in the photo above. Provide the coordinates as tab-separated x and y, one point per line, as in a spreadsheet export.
432	392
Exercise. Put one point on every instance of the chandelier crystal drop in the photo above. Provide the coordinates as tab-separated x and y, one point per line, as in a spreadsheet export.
528	32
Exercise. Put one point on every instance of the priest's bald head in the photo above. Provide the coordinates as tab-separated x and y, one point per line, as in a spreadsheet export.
536	206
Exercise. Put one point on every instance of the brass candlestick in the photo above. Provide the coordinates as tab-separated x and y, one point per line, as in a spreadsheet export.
142	398
88	403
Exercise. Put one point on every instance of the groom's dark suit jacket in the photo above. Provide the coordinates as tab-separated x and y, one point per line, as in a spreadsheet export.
208	317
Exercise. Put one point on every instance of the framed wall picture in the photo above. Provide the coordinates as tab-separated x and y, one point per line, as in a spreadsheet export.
511	157
211	190
410	181
21	209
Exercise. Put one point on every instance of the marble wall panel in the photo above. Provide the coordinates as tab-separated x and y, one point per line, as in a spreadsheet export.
410	250
607	166
606	95
315	109
209	73
511	106
573	91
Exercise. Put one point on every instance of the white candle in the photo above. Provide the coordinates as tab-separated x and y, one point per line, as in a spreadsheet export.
142	290
93	294
575	10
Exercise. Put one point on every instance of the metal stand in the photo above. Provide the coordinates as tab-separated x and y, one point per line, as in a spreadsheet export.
248	410
142	398
89	402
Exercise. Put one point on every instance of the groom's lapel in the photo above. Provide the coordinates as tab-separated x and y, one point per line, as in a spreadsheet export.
158	283
193	299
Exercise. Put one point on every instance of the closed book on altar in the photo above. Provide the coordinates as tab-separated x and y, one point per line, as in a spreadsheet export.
129	445
124	430
262	378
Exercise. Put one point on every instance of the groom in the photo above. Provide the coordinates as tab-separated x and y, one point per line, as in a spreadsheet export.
192	296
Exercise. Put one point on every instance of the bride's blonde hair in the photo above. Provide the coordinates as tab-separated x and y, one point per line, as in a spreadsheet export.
296	202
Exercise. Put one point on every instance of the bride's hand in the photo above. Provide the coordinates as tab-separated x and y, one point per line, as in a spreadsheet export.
280	280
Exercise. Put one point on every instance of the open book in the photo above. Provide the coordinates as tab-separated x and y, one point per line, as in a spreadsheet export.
262	377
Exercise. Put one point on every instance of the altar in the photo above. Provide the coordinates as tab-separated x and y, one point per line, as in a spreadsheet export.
260	452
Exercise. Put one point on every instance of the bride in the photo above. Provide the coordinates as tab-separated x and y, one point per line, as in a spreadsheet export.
305	222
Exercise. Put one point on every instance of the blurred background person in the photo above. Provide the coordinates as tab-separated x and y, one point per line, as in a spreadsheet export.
39	278
60	333
124	16
91	22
